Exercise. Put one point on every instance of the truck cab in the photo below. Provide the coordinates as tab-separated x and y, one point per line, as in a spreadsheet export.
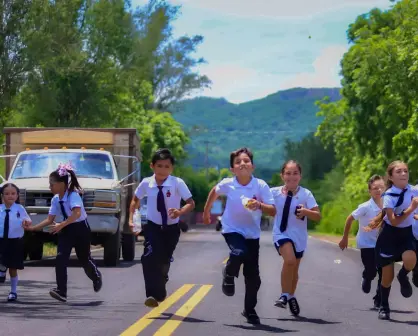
106	192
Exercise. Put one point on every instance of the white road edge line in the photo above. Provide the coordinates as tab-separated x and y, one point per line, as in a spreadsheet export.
348	248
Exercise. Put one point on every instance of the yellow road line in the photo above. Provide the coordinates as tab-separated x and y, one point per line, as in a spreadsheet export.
225	261
171	325
147	319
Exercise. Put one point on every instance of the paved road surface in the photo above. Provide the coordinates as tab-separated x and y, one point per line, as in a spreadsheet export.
329	294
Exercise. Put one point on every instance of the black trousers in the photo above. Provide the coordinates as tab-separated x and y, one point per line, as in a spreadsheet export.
159	245
244	252
368	258
415	271
75	235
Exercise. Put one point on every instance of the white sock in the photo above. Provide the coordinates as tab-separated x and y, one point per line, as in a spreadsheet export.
2	274
13	282
287	295
290	297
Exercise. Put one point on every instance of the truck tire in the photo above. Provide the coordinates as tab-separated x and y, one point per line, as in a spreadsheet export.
111	253
34	248
128	246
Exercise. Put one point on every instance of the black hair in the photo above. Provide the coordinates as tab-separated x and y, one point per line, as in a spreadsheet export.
373	179
162	154
238	152
70	184
291	162
13	186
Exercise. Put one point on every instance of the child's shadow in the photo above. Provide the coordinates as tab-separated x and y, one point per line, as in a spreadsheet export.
307	320
260	327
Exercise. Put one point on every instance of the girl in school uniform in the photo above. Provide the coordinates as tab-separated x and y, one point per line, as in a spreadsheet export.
295	205
73	230
13	217
247	198
366	241
164	193
396	240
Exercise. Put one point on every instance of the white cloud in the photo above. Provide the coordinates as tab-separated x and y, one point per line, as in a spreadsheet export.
326	70
240	84
279	8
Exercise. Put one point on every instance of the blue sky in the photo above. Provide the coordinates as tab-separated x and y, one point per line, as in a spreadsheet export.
255	48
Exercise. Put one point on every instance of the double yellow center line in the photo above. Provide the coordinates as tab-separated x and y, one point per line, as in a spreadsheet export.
173	323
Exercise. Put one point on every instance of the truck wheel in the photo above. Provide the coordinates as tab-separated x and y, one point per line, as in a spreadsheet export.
128	247
111	253
36	249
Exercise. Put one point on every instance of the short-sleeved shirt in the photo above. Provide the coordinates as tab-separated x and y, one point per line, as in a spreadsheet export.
174	190
390	201
297	229
17	215
236	218
71	200
364	213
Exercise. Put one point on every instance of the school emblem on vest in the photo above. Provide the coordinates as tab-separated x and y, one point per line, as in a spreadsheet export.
168	194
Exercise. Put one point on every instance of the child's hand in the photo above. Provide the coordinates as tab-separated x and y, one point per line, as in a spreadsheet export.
27	224
174	213
416	216
57	227
415	202
206	217
253	204
343	243
300	212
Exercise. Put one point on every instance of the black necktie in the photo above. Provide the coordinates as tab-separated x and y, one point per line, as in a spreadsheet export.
286	209
6	225
64	213
161	205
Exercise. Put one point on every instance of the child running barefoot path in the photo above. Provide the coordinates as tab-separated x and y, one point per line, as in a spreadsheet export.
366	241
13	217
247	198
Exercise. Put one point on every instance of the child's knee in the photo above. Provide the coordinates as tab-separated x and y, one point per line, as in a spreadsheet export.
409	259
290	261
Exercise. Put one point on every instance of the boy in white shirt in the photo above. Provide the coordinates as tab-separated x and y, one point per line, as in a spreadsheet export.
366	241
247	198
164	193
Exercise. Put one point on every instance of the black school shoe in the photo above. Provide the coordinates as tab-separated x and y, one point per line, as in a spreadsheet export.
294	306
12	297
406	288
98	283
2	279
58	295
366	285
384	313
251	316
228	284
281	302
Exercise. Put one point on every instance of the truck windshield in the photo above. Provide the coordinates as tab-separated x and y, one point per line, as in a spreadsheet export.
90	165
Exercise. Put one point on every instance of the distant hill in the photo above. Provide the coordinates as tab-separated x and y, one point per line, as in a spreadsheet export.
261	124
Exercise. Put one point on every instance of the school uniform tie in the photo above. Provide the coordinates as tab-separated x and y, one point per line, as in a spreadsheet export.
286	209
161	205
64	213
6	225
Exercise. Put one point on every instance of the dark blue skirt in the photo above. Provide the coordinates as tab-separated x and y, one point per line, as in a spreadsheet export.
12	253
392	243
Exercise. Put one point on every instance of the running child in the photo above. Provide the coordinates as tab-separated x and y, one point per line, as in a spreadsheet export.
247	198
295	205
366	241
164	193
396	240
73	230
13	217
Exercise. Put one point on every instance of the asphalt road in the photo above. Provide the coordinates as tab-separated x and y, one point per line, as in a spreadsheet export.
329	294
